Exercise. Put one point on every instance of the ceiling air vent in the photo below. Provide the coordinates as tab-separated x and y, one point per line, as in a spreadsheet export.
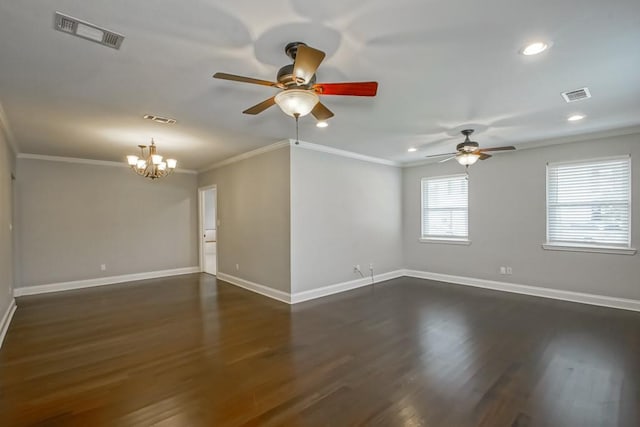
576	95
158	119
85	30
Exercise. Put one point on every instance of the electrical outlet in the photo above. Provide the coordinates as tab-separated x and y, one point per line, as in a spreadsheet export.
509	270
503	270
237	267
103	267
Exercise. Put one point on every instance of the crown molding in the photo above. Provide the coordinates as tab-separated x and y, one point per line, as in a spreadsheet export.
247	155
86	161
343	153
540	143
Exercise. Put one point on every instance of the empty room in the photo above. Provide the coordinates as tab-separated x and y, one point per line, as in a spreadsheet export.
337	213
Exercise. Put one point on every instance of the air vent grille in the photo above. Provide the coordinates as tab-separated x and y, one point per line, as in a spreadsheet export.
65	24
87	31
111	39
576	95
158	119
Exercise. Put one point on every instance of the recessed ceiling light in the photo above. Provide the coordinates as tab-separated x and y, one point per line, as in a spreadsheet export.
575	117
412	149
534	48
322	124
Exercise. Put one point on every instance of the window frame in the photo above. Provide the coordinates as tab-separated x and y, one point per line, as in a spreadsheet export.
452	240
584	247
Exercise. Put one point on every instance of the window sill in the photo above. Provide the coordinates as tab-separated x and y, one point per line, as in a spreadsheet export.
592	249
445	241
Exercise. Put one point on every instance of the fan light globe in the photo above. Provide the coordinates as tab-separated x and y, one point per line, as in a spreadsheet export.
296	101
467	159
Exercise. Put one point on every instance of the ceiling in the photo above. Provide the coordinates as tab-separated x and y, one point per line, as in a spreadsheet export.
442	66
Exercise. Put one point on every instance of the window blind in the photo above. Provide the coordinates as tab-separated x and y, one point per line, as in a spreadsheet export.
445	207
589	203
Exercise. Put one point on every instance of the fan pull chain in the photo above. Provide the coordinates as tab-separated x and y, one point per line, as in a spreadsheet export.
297	116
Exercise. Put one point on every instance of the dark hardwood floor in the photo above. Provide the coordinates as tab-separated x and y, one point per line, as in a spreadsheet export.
187	351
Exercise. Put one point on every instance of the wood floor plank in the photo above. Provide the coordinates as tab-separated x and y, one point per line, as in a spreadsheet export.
193	351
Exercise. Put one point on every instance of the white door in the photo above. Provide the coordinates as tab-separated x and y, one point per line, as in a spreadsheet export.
208	231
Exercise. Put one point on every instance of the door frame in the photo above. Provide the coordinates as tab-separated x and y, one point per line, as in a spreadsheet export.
201	191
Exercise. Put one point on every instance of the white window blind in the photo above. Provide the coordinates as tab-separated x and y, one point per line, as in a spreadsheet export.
589	203
445	207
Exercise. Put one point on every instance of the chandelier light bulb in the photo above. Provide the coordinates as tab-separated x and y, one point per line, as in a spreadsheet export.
132	160
141	164
172	163
162	166
156	159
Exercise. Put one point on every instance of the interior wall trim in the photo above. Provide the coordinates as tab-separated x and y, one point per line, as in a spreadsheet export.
100	281
583	298
247	155
87	161
343	286
255	287
6	320
343	153
7	132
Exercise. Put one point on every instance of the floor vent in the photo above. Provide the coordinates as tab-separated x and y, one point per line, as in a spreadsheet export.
87	31
576	95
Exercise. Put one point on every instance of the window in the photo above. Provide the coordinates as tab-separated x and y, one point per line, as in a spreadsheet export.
589	204
445	208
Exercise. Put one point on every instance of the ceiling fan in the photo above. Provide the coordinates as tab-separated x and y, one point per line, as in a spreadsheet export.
468	152
299	93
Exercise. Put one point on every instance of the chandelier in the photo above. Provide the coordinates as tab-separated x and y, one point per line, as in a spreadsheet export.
150	163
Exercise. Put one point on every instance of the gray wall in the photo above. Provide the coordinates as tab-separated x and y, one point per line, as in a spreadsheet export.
507	223
7	165
74	217
343	212
254	215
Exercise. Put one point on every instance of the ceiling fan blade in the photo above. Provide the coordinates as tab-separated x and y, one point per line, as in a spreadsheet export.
447	159
347	89
484	156
498	148
306	63
233	77
440	155
259	108
321	112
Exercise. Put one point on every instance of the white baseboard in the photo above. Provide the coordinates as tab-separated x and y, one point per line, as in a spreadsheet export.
100	281
343	287
6	320
255	287
584	298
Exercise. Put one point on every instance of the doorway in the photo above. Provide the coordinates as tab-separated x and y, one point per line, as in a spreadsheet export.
208	229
